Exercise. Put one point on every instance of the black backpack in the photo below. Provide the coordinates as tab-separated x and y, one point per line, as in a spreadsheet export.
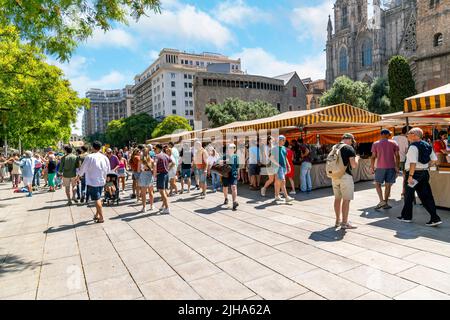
425	151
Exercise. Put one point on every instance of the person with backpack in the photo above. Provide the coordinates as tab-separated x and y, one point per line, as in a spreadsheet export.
340	162
231	180
419	158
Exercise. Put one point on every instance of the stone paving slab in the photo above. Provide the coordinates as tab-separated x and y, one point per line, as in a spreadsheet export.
203	250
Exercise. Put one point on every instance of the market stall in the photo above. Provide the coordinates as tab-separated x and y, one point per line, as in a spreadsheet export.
318	127
432	106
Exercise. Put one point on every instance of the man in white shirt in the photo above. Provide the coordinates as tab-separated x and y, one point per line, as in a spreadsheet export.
95	166
419	157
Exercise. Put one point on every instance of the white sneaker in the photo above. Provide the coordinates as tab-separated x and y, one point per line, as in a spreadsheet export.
278	198
263	191
289	199
292	192
166	211
143	210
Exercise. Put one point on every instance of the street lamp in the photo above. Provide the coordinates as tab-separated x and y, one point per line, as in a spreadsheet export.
4	109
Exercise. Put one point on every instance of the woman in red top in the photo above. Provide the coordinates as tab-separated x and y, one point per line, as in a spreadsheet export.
440	147
290	158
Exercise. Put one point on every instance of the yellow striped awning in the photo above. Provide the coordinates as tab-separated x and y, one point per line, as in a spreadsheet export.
336	113
433	99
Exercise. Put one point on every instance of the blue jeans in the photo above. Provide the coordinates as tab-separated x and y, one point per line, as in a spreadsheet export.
37	177
215	180
305	176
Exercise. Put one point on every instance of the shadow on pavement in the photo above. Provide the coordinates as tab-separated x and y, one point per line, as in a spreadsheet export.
69	227
210	210
14	263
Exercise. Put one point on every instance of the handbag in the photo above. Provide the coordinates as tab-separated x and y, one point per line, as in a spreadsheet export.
223	170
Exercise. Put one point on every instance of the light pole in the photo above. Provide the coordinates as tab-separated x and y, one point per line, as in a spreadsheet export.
4	109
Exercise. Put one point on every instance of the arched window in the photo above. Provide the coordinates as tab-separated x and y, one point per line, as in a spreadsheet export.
438	39
366	53
343	60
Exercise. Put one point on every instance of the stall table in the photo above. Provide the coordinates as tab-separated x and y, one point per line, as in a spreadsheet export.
319	177
440	186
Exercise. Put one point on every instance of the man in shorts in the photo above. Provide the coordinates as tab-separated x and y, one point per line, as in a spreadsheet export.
200	166
386	152
68	169
95	167
161	172
254	169
344	187
186	167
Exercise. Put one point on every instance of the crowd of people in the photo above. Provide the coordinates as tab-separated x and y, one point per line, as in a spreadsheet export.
89	175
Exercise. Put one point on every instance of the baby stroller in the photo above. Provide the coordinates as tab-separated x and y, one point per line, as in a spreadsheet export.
114	178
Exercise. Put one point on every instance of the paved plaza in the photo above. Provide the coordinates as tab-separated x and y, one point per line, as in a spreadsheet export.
203	250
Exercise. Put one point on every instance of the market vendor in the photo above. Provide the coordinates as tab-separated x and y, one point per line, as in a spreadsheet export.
440	147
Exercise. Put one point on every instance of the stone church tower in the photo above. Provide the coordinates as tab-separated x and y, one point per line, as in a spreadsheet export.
366	34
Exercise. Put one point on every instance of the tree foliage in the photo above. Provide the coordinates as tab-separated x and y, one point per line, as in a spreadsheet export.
42	107
136	128
345	90
57	26
234	109
379	101
401	82
170	124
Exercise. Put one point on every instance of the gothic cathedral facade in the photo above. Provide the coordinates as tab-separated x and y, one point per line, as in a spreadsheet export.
367	33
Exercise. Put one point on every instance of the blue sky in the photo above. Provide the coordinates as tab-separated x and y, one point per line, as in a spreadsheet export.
270	37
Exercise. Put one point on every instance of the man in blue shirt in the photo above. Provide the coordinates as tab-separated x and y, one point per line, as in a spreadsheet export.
253	166
281	165
27	165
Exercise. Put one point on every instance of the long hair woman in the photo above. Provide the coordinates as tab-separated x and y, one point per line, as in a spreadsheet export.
266	153
172	173
121	168
145	183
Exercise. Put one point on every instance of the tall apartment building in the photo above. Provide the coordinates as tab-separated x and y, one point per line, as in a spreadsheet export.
166	86
105	106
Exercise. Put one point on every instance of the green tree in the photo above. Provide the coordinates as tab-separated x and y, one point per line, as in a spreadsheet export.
57	26
401	82
379	101
136	128
234	109
170	124
42	107
345	90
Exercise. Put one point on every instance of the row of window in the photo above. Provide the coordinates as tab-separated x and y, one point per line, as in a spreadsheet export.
365	54
242	84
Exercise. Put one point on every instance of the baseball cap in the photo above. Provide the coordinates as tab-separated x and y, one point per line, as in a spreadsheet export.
348	136
385	131
109	150
281	137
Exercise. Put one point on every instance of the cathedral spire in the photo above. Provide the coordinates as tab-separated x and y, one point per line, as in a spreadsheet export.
329	28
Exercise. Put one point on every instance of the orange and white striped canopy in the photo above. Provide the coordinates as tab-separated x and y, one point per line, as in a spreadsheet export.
433	99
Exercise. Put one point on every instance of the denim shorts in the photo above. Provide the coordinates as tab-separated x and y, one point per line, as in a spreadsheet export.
281	173
162	181
254	169
385	175
145	179
231	181
95	193
185	174
200	173
136	175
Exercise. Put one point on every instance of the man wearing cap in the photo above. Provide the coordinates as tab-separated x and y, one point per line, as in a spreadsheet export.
418	160
386	153
344	187
282	167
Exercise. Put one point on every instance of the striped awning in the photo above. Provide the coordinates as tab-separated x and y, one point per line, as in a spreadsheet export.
433	99
336	113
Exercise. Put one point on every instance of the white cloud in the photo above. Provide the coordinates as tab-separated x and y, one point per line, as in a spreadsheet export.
260	62
311	21
238	13
183	23
117	38
153	55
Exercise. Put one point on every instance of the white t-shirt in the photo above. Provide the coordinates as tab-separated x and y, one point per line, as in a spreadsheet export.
402	142
95	166
212	159
413	157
